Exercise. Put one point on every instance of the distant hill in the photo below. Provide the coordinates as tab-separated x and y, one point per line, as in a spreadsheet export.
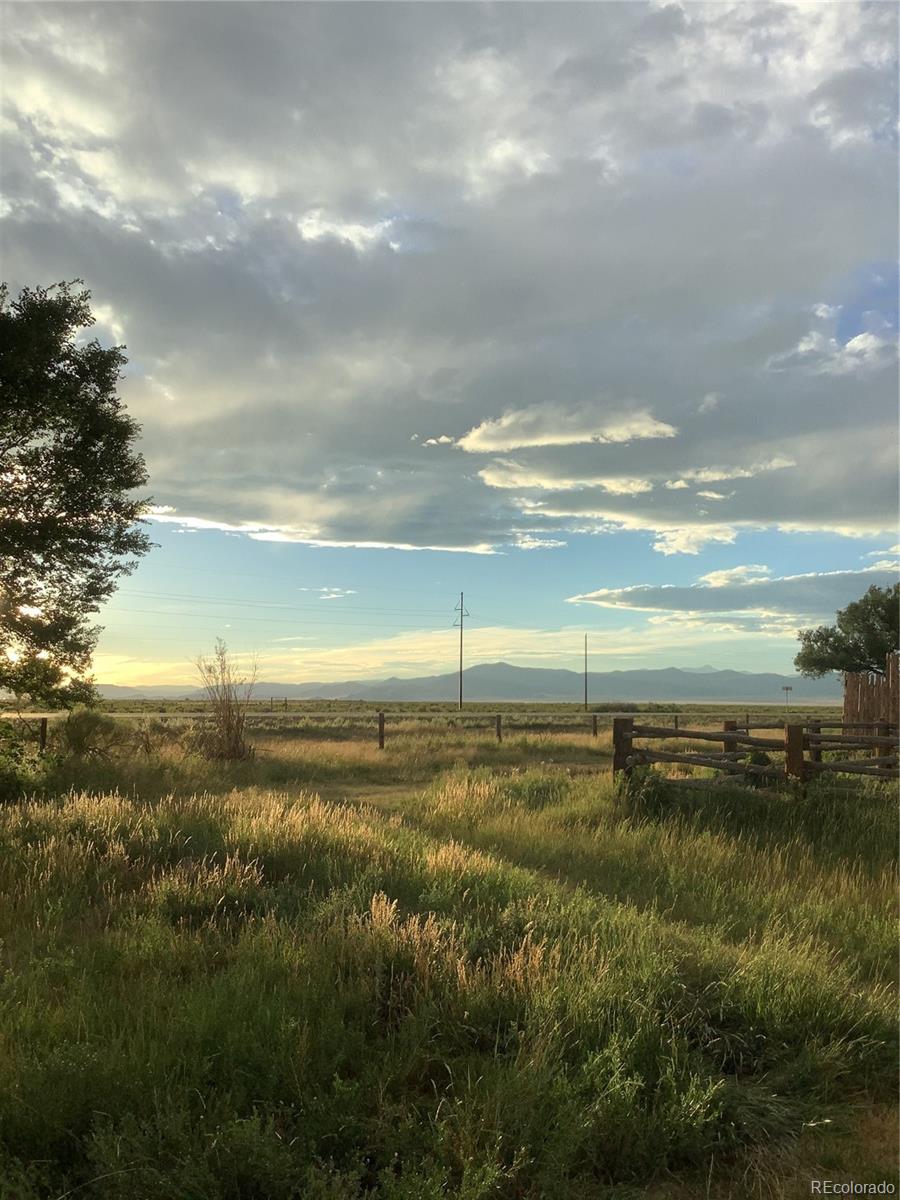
501	681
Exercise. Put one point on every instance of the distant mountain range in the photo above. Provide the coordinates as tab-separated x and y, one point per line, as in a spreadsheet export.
501	681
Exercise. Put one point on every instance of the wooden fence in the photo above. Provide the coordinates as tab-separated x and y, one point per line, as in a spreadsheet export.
873	698
498	726
797	754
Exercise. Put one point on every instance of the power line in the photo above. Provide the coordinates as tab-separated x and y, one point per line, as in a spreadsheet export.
220	571
270	604
173	612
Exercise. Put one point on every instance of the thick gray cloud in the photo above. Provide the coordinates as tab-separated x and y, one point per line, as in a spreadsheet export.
753	592
393	273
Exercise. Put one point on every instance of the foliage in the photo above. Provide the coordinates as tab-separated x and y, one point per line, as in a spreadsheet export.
151	735
228	696
67	515
643	794
87	733
21	772
865	632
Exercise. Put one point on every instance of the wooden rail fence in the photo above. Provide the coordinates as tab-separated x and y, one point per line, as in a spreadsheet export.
738	744
498	726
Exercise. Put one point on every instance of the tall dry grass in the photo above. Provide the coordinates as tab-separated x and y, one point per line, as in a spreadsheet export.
508	984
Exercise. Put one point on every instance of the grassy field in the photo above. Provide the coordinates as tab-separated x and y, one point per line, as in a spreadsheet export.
439	712
449	969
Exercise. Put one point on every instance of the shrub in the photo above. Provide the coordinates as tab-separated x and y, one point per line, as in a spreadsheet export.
222	736
20	769
87	733
150	735
644	794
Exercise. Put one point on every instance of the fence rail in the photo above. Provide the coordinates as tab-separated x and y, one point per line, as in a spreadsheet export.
799	740
372	720
737	741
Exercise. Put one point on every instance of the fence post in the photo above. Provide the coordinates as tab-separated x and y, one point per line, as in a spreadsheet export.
594	725
499	729
881	731
381	731
794	764
815	751
42	743
623	732
676	721
747	722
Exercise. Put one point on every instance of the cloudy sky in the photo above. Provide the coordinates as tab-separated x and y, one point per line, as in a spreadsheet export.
589	310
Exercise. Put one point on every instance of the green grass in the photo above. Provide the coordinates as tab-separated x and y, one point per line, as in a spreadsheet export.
438	972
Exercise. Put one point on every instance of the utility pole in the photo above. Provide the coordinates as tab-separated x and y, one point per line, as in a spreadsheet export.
585	672
463	613
787	689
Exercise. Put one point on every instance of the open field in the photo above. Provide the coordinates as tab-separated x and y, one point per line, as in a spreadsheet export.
452	968
342	720
475	709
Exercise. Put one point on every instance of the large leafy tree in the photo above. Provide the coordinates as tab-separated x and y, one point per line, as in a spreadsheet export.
68	470
865	632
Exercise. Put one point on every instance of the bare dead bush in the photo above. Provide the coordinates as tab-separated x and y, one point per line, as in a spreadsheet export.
228	694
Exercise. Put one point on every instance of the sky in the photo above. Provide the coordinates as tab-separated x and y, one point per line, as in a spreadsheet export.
586	310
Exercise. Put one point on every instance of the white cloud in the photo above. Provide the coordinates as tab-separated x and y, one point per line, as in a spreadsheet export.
263	534
504	473
864	352
623	487
842	529
552	425
691	539
507	154
821	355
709	403
360	236
720	474
280	535
753	573
526	541
715	495
826	312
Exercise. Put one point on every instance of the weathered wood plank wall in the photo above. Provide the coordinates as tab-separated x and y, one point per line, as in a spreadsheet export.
873	699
